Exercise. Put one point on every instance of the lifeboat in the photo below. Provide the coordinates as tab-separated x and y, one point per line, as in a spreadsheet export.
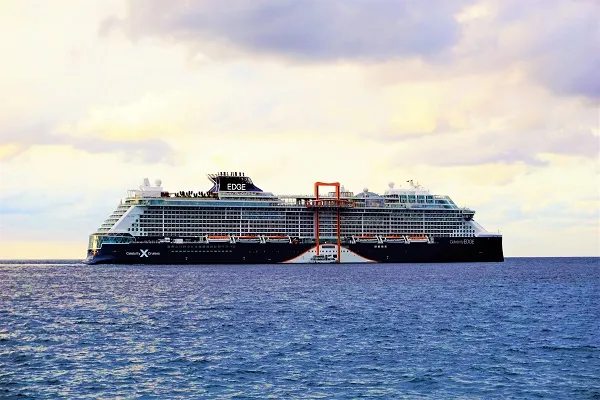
395	239
247	239
277	239
366	239
418	238
217	239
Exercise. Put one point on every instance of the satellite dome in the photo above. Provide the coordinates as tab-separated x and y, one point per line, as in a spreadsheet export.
391	185
366	190
158	182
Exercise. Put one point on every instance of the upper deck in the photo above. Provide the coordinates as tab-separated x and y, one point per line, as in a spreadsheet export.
234	205
238	190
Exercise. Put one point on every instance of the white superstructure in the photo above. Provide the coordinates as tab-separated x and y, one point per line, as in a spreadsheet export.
241	210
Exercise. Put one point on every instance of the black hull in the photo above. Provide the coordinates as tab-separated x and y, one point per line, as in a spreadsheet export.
482	249
477	249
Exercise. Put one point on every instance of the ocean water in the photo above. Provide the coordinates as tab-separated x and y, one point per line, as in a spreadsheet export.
526	328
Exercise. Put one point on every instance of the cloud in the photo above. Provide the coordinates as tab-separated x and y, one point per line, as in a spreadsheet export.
147	151
554	41
23	204
561	40
490	147
481	119
305	30
22	138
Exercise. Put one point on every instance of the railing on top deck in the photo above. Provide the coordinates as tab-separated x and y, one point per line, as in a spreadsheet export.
329	203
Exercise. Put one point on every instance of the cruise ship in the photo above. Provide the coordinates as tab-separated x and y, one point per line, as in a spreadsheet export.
235	222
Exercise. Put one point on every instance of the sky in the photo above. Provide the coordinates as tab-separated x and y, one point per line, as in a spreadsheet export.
494	103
